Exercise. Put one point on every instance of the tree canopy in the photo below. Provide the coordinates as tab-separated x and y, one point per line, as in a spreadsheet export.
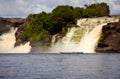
98	10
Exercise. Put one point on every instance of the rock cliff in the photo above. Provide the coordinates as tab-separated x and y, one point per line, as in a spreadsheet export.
110	39
7	23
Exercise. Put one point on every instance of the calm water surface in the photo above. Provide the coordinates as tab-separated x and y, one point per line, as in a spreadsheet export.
60	66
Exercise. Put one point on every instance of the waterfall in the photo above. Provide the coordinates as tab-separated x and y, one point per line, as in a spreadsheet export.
89	40
77	39
7	41
83	38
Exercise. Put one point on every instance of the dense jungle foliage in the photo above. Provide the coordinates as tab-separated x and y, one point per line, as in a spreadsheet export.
44	24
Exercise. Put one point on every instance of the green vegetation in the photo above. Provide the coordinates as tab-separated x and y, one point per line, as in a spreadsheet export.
79	12
44	24
98	10
34	30
63	15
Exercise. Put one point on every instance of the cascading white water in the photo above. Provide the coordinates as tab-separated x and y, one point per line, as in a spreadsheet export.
78	39
89	40
83	38
7	42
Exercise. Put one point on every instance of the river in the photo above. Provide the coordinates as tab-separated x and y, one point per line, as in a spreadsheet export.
60	66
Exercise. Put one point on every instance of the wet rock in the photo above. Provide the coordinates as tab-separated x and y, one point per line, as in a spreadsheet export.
102	45
111	38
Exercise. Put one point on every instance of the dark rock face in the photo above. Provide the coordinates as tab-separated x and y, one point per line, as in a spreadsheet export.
111	38
18	33
7	23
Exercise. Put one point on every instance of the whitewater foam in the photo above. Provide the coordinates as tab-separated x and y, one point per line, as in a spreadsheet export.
7	41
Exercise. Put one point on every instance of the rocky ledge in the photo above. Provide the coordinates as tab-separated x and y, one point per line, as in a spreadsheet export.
110	39
7	23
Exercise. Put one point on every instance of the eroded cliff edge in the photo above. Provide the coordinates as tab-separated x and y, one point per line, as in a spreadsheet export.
110	39
7	23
